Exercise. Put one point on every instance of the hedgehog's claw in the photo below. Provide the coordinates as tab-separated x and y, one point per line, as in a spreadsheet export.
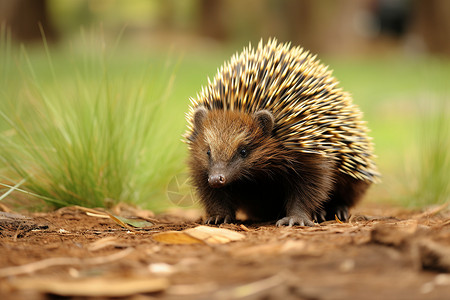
219	219
342	213
320	216
294	220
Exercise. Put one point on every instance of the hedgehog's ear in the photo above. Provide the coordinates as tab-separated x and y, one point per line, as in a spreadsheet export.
199	117
265	120
200	114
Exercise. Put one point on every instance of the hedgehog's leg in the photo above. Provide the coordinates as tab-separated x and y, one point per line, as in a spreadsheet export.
347	192
296	215
310	187
218	214
219	219
219	208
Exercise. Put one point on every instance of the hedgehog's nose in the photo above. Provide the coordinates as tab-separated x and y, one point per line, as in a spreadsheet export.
216	180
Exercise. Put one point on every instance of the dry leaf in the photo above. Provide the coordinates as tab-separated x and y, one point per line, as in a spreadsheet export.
214	235
97	215
93	287
210	235
175	237
135	222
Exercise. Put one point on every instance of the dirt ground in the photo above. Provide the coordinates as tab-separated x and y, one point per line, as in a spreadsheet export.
74	253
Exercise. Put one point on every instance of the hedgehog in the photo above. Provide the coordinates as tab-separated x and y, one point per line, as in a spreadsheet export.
273	136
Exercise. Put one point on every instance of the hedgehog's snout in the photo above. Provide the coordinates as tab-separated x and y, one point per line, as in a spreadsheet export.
217	180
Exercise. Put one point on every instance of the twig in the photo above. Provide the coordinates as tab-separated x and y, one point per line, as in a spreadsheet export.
431	212
61	261
103	214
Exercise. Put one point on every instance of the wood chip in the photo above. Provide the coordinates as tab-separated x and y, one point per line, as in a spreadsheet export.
243	227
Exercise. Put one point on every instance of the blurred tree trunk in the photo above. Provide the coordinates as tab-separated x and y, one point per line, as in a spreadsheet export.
212	23
432	23
326	26
23	17
298	16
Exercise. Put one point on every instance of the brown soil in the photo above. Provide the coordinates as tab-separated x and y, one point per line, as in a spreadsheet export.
382	253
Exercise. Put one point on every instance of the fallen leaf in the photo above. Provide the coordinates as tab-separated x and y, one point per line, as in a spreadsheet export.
93	287
175	237
210	235
120	222
135	222
99	215
214	235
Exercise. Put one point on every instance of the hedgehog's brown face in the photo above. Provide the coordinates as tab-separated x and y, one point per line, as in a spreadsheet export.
225	143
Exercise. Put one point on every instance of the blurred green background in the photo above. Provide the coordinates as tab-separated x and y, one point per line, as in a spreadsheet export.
93	93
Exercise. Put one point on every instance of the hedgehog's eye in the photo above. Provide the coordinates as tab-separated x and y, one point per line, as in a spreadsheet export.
243	153
208	152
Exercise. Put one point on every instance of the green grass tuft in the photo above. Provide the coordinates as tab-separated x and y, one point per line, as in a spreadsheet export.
77	135
431	170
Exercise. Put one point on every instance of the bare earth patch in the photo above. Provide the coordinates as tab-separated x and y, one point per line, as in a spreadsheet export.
382	253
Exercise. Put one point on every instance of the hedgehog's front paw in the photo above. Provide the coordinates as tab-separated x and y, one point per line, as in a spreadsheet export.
219	219
294	220
331	213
